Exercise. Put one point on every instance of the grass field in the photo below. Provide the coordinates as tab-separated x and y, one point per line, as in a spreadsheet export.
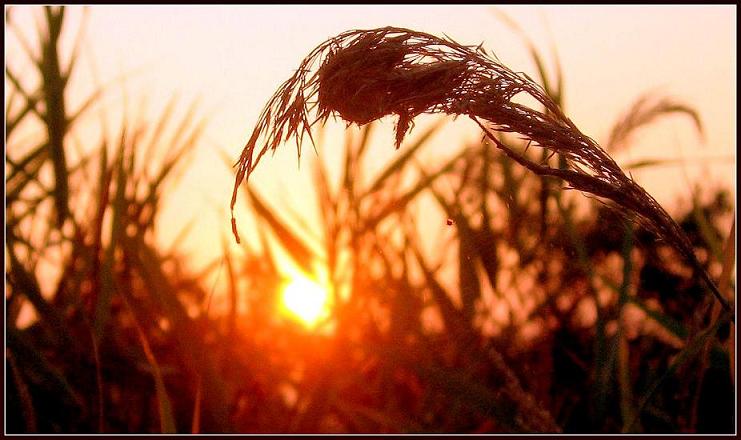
524	284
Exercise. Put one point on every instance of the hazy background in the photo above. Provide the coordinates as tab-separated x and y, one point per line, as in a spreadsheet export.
486	300
232	58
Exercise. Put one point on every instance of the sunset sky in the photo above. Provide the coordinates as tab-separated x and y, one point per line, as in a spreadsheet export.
232	58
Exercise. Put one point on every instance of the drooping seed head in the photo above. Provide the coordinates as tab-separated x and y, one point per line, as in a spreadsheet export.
364	75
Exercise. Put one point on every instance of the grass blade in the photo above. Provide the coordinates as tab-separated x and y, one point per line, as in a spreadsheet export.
397	165
299	251
400	202
644	112
55	117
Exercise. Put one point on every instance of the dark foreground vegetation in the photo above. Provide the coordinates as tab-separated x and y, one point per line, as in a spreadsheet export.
508	305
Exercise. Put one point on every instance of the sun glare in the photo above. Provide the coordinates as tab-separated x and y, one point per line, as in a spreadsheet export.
305	300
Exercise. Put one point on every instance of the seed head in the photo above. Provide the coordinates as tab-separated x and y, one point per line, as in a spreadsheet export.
364	75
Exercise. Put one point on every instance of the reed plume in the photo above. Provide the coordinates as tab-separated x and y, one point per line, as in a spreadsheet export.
363	75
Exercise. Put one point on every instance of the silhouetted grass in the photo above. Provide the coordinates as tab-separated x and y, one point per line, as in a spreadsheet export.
362	76
509	306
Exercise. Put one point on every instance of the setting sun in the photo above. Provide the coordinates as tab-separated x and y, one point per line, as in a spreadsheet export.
305	300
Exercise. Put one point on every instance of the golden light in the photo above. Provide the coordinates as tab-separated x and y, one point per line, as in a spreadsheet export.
305	300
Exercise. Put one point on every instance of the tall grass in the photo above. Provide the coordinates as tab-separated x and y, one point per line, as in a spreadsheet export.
362	76
105	207
531	310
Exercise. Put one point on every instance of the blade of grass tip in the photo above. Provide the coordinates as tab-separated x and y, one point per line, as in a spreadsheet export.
156	134
29	414
554	94
185	123
174	164
139	128
25	45
167	421
643	112
81	27
184	153
558	96
543	73
100	89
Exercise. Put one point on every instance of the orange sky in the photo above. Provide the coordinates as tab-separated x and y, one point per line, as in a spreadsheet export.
234	57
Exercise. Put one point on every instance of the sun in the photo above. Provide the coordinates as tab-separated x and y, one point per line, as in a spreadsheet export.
305	300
